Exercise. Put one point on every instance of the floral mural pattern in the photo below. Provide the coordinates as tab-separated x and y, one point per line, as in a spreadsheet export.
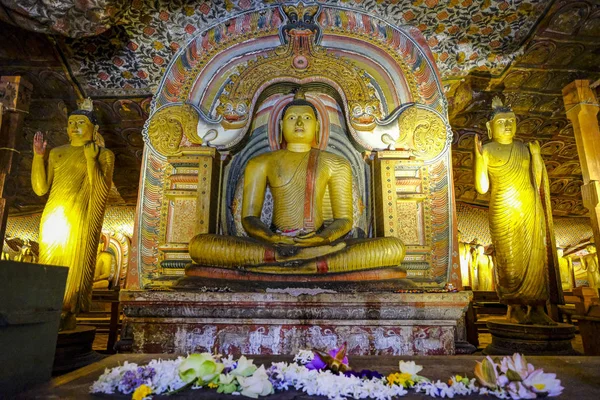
130	58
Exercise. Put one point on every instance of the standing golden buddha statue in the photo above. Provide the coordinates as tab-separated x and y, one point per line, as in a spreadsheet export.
485	267
566	271
516	174
299	242
78	176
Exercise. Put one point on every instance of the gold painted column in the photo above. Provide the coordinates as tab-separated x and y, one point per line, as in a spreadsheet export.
582	109
15	96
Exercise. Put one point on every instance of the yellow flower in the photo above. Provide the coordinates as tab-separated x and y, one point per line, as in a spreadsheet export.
400	379
141	392
157	45
212	385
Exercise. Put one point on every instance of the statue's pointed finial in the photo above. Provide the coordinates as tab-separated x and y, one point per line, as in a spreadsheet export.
300	94
499	107
86	104
497	102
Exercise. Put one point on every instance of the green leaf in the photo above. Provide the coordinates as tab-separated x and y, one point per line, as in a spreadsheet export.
513	376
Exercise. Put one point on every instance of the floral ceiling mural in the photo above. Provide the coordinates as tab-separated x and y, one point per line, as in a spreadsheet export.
134	40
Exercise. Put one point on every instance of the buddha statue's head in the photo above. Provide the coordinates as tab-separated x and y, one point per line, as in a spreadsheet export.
299	124
82	125
503	124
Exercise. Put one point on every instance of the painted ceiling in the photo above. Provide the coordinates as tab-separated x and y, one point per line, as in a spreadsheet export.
116	52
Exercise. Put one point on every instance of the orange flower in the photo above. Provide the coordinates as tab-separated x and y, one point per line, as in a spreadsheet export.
409	16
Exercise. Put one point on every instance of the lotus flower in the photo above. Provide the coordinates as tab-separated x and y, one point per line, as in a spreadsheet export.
200	367
517	363
244	367
516	390
543	383
410	367
256	385
486	373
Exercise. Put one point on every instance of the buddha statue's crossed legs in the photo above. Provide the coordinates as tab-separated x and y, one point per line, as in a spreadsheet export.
252	255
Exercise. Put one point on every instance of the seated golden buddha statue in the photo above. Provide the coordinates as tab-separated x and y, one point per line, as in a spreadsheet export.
299	243
105	268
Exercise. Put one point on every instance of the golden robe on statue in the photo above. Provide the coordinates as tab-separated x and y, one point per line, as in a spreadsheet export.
78	177
518	229
72	219
520	218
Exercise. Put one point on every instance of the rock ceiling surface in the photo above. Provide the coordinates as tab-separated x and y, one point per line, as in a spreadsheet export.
116	52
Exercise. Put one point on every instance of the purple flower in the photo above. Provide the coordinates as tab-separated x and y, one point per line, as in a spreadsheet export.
277	379
131	380
318	363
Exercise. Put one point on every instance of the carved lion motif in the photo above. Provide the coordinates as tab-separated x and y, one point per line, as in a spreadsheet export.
427	129
169	124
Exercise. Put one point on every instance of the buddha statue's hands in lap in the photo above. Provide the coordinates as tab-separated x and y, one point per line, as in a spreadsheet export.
298	177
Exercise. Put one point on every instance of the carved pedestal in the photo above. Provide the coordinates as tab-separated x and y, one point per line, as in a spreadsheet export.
508	338
74	349
282	321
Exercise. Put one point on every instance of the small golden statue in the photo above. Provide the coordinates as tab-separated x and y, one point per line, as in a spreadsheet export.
78	176
589	263
106	266
299	243
518	206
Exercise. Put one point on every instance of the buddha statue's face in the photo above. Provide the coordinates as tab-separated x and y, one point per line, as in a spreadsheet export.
80	129
299	125
503	127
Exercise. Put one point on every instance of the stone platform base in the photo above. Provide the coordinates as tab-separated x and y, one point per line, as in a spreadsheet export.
380	274
283	322
74	349
509	338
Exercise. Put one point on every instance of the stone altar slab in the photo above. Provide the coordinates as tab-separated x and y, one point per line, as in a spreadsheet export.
281	322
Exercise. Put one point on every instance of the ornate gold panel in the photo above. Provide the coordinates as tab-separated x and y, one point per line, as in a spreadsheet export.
402	207
192	179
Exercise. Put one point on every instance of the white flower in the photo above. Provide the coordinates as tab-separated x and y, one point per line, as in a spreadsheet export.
516	363
304	356
256	385
244	367
444	390
542	383
228	362
463	386
409	367
109	381
226	379
167	377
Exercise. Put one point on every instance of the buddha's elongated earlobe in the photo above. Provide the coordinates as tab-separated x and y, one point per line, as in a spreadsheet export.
280	133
